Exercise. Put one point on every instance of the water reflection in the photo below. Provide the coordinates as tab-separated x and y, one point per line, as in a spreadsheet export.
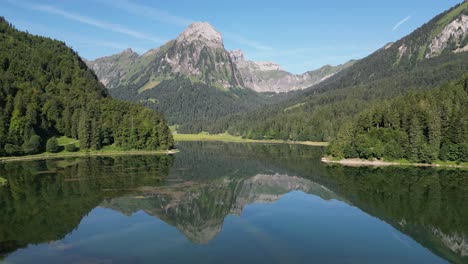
204	186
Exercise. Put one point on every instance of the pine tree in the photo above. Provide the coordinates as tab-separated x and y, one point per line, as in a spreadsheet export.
85	133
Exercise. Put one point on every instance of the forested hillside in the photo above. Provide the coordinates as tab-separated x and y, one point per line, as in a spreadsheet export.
412	63
192	80
193	104
421	127
46	90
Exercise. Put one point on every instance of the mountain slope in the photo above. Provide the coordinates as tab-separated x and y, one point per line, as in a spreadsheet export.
421	127
198	53
46	90
408	64
193	104
111	69
195	81
191	79
270	77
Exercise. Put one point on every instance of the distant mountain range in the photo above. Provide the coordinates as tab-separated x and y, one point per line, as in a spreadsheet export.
195	81
271	77
201	86
198	53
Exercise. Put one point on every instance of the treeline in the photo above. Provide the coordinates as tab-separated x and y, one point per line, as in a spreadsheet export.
46	90
421	127
193	104
317	113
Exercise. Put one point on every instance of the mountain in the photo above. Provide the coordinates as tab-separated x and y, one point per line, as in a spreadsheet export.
46	90
195	81
191	79
432	55
183	205
271	77
110	69
197	53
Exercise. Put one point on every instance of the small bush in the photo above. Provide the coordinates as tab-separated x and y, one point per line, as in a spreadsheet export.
13	150
52	145
71	148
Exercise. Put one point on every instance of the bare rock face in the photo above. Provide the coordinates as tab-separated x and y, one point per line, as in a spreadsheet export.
454	33
402	50
455	242
254	190
201	31
199	51
237	55
271	77
199	54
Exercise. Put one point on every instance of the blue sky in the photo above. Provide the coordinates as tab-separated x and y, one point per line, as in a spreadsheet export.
300	35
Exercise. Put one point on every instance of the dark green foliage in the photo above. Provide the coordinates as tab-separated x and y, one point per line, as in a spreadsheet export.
12	150
194	105
421	126
318	112
46	90
52	145
36	207
71	148
32	146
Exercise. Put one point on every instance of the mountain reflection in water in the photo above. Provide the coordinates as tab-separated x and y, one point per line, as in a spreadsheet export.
207	184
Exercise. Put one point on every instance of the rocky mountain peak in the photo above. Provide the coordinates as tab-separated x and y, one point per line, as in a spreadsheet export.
268	66
127	51
202	31
237	55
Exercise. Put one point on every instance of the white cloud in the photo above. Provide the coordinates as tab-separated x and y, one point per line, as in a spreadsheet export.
148	12
165	17
404	20
251	43
90	21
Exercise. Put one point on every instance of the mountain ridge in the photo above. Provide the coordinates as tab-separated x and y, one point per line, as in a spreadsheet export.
317	112
265	76
198	53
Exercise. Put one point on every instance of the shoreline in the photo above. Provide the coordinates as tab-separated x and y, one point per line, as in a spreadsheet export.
87	154
379	163
234	139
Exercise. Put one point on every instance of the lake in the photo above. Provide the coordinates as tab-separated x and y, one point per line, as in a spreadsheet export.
230	203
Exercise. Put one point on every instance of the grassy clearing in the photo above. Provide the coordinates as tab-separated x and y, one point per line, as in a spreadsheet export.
293	107
231	138
62	141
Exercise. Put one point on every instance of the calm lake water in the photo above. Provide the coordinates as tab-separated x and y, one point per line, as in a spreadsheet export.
230	203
